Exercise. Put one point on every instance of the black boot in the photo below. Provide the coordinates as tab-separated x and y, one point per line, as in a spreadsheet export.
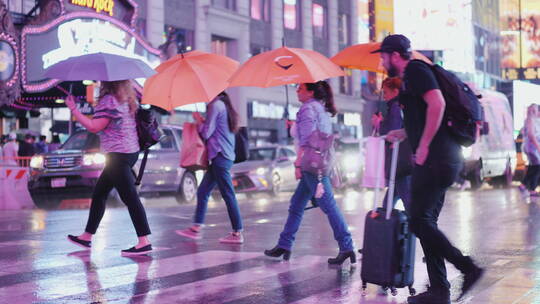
341	257
470	278
431	296
276	252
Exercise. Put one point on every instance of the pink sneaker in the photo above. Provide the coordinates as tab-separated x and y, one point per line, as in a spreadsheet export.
190	233
233	238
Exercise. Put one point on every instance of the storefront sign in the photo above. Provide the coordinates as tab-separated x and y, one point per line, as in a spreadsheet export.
98	5
73	35
271	111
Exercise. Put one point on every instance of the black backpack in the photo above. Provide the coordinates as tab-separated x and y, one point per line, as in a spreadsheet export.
241	146
463	109
149	134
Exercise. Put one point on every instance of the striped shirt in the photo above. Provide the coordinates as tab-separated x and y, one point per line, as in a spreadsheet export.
120	135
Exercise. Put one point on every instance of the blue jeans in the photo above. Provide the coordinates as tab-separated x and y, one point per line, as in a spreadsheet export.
218	174
402	190
305	191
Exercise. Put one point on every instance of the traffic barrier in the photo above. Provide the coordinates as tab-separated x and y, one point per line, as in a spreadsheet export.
14	193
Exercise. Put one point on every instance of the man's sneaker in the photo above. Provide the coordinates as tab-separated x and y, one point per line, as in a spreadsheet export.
190	233
470	278
77	241
431	296
134	251
233	238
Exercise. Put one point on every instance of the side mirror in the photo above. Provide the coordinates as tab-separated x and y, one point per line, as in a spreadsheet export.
484	129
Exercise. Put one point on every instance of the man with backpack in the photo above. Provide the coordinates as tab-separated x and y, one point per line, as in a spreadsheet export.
438	161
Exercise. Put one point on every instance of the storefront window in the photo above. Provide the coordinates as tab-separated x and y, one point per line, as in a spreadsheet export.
226	4
291	14
220	45
260	10
320	29
343	29
184	39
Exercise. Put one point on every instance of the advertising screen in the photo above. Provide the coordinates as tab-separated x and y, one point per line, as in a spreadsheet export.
524	95
444	25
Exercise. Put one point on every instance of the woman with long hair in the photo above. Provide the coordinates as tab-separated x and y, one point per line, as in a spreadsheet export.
218	131
314	114
531	146
114	121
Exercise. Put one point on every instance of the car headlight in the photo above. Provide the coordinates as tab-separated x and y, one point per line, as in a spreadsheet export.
350	161
36	162
94	159
261	171
466	152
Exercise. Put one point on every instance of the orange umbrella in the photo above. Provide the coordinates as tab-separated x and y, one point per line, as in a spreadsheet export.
359	57
188	78
284	66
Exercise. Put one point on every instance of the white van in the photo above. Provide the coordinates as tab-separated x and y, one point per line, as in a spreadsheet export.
493	157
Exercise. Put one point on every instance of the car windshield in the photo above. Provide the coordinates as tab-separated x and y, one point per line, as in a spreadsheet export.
262	154
82	141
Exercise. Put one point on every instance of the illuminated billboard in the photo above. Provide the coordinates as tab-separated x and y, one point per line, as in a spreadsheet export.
520	42
444	25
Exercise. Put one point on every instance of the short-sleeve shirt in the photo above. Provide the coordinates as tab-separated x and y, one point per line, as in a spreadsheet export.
418	79
120	135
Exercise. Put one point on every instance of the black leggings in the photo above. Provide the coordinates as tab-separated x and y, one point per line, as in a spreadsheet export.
531	178
117	174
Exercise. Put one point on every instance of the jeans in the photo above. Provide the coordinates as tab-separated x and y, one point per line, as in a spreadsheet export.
304	193
118	174
402	190
531	177
429	184
218	174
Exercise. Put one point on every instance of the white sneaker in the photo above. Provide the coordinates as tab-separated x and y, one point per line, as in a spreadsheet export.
190	233
233	238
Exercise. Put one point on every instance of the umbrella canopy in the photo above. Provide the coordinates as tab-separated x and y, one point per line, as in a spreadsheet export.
99	66
285	66
188	78
359	57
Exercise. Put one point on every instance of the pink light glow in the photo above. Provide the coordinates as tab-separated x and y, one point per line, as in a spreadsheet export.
70	16
11	41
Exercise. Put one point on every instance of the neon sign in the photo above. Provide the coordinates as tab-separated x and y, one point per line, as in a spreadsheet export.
98	5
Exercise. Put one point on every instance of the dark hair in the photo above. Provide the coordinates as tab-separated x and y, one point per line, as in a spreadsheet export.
232	116
29	136
42	137
393	83
322	91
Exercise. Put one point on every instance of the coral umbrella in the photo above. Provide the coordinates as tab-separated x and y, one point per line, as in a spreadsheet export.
359	57
188	78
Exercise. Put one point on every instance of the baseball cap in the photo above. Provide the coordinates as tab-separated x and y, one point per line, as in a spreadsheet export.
395	43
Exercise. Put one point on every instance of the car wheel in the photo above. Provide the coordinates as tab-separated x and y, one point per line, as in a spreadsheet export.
187	191
276	184
504	180
475	177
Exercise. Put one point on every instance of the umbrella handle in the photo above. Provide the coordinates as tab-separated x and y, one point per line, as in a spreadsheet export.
67	92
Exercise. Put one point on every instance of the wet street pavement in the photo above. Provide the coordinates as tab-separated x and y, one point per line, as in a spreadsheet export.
499	228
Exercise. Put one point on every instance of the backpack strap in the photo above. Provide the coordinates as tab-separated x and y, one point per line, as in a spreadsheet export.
141	169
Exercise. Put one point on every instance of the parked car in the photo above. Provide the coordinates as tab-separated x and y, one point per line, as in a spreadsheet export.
268	169
72	171
493	157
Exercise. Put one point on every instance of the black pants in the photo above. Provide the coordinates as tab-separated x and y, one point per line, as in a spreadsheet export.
117	174
530	181
429	184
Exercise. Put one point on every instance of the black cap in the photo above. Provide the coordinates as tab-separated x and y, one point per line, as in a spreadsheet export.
395	43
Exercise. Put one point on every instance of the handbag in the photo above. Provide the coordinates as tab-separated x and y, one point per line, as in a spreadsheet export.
241	145
193	153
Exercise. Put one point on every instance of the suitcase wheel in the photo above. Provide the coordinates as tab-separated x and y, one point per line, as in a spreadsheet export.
393	290
412	291
364	289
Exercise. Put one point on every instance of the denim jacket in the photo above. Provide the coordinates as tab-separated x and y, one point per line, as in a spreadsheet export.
311	116
216	133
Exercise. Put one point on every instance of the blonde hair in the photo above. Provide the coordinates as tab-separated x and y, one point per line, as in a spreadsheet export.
122	90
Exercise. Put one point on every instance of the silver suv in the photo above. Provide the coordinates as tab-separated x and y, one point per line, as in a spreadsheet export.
71	172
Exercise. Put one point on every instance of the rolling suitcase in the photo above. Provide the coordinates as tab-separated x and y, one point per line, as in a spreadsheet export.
389	246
